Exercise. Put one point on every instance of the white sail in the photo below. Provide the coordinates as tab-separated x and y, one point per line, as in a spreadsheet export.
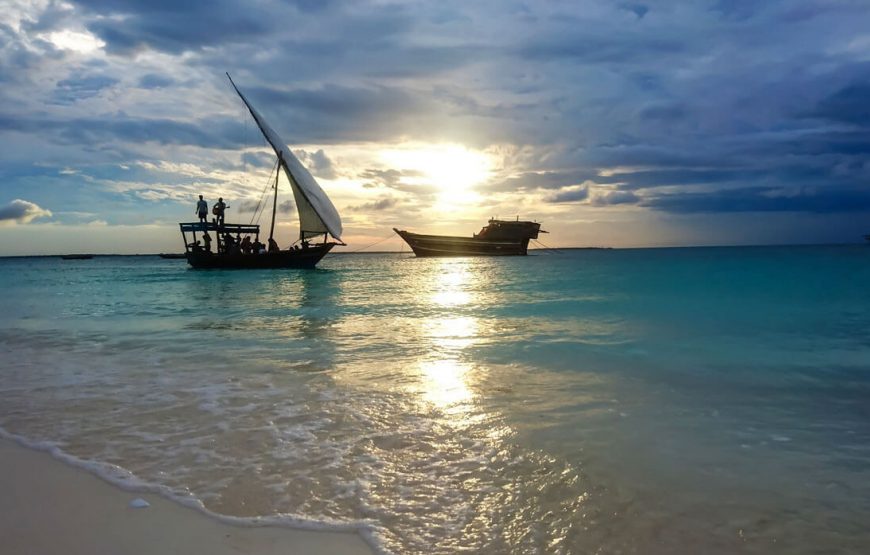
317	214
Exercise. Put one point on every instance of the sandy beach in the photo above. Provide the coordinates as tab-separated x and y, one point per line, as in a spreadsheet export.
49	507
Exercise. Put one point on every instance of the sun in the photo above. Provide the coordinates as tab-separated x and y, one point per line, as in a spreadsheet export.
452	169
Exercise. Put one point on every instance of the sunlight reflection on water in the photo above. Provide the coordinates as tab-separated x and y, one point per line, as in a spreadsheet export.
587	402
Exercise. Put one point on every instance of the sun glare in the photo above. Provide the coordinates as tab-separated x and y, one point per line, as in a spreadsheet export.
75	41
450	168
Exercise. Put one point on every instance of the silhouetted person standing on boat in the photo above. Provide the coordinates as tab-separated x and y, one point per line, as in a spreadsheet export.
273	245
206	239
218	210
202	210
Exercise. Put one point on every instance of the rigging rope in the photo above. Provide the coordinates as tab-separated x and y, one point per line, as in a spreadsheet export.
555	251
263	196
375	243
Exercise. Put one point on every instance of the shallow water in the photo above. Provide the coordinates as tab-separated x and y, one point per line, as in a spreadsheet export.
625	401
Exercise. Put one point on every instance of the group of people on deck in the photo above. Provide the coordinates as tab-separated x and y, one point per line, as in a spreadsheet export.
244	245
228	244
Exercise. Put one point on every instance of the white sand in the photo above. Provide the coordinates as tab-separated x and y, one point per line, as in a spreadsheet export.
48	507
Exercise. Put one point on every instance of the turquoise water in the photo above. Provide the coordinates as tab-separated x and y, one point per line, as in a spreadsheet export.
710	400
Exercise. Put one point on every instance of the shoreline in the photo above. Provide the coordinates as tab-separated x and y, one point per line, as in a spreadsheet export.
52	507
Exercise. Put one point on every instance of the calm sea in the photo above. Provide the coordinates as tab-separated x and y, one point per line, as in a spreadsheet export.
708	400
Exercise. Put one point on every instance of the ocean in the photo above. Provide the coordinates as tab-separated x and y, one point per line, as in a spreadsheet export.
698	400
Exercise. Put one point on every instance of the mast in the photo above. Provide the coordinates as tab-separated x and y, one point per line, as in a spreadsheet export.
275	199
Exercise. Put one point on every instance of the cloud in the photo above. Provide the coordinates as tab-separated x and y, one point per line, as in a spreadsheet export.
318	162
378	205
734	106
155	81
248	205
557	179
596	47
578	194
211	133
332	113
639	10
395	179
847	105
173	27
22	212
822	200
612	198
68	91
381	178
287	207
737	9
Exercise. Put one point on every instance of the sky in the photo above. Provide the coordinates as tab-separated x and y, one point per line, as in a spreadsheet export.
620	124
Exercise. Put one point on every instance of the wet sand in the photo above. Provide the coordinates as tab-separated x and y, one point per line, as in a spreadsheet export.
49	507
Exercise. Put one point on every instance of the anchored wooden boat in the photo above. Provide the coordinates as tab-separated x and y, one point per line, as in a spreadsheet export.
238	245
498	238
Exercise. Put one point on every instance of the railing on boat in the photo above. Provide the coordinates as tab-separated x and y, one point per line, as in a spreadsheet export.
220	230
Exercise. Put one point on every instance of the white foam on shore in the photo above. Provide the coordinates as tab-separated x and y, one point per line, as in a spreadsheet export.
125	480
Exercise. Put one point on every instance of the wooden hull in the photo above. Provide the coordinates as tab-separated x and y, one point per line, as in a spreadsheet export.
303	258
440	245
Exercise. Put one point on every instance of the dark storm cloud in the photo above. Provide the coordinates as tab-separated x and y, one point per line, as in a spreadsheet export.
850	104
820	200
573	195
96	130
21	211
337	101
602	49
381	178
612	198
172	26
176	27
378	205
318	162
720	106
544	180
638	10
54	15
664	112
737	9
393	179
841	144
68	91
336	113
259	159
248	205
669	177
155	81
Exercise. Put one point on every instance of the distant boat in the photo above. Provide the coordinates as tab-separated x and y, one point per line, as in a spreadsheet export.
77	256
172	255
498	238
318	220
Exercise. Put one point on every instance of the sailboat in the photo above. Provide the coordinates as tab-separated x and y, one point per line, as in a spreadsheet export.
318	220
